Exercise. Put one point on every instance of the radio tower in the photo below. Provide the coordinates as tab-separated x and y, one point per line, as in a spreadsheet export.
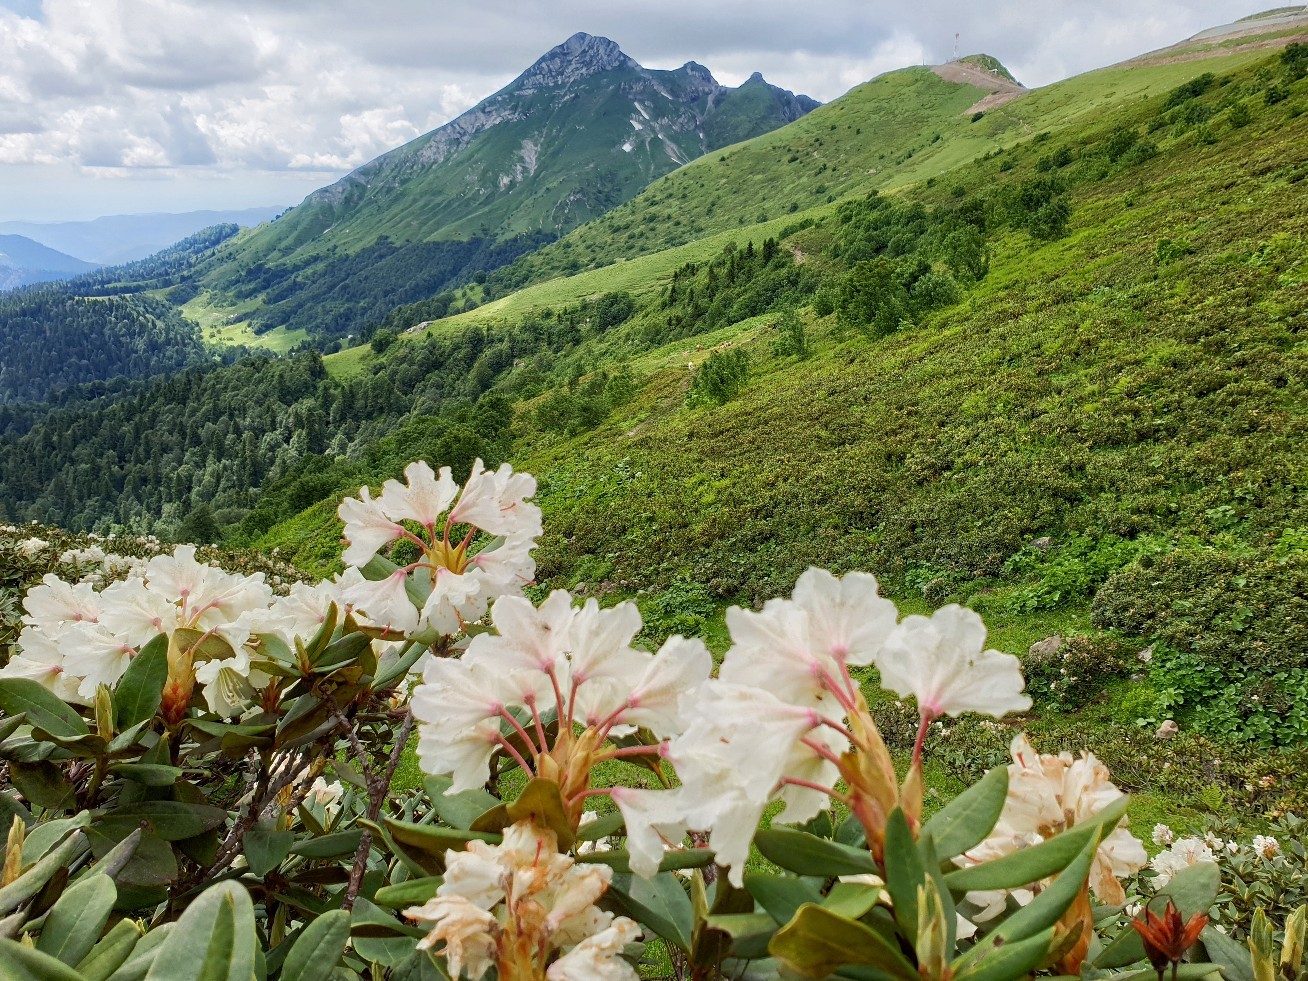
956	47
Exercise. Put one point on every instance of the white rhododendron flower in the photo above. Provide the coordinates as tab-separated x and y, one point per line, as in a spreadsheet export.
576	662
516	905
940	660
1183	853
1048	794
1266	846
1163	835
458	583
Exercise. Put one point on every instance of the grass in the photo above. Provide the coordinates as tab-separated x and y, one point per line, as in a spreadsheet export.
224	324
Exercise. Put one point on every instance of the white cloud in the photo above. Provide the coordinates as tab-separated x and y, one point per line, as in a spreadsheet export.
220	95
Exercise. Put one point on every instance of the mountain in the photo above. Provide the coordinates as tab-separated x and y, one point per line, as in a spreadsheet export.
122	238
23	261
579	132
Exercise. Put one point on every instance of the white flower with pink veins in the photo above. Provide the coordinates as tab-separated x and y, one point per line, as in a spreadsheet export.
39	659
496	502
940	660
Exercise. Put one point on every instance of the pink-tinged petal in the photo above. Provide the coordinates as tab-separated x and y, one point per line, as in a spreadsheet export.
367	528
496	502
939	660
385	602
848	619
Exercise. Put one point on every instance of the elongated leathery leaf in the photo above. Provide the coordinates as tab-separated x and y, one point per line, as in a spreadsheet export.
817	942
75	922
318	948
966	820
214	940
44	709
808	854
140	689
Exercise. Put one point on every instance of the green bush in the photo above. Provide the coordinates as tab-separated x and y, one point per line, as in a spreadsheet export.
1234	635
1069	678
720	378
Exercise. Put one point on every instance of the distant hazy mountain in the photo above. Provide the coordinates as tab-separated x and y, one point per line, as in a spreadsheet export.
23	262
122	238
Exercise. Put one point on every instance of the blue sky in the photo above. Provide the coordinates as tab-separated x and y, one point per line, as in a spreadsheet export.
121	106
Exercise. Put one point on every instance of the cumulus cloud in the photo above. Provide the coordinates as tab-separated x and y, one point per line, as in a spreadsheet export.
295	92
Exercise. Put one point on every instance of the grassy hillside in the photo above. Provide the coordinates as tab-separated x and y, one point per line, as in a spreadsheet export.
1101	438
901	128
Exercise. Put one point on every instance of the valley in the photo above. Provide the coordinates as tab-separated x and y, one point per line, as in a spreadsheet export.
1038	352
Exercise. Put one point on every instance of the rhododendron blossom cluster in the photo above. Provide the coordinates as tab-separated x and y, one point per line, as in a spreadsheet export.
513	905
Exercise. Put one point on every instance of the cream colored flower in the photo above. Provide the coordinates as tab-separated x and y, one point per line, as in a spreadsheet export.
1048	794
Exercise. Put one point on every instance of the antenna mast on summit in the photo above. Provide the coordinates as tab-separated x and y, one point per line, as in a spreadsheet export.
955	46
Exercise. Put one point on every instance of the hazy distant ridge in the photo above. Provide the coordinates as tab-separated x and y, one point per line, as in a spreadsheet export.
123	238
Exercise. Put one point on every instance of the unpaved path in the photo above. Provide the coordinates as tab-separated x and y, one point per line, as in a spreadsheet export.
966	73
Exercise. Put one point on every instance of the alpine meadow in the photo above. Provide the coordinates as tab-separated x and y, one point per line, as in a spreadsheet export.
653	528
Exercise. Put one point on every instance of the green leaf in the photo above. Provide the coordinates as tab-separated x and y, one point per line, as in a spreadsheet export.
19	963
148	774
413	892
1008	961
170	820
43	836
76	921
1053	901
540	802
1230	955
678	858
9	725
781	896
144	953
378	936
659	902
111	952
434	840
266	846
152	862
34	879
1038	916
749	932
341	652
905	875
11	807
116	859
44	709
966	820
1024	866
817	942
42	783
140	689
318	948
1184	972
851	899
334	845
602	827
214	940
807	854
1192	890
458	810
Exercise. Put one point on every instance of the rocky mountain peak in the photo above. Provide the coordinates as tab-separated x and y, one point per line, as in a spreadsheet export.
580	56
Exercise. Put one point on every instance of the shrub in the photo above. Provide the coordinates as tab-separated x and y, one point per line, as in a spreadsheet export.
720	378
1078	671
1235	636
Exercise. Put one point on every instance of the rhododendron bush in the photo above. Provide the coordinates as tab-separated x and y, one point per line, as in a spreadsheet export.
199	768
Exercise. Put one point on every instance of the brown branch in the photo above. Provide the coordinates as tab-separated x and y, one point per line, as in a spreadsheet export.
378	785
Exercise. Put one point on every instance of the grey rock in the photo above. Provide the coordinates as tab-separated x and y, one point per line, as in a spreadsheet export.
1167	730
1047	647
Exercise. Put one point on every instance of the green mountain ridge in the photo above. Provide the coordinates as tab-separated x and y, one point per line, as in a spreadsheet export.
582	130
